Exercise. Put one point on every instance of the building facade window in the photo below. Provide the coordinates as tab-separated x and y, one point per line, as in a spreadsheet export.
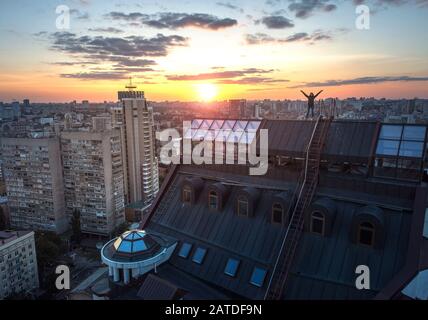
317	223
366	234
242	206
187	194
213	200
277	213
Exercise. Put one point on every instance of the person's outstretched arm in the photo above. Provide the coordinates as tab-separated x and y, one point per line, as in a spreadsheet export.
304	93
319	93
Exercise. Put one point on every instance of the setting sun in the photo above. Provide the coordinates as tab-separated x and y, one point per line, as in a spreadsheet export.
206	91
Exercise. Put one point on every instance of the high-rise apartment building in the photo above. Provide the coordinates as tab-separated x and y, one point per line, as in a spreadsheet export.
237	109
18	263
135	118
93	179
34	183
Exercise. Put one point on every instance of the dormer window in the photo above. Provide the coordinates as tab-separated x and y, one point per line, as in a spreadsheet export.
317	223
242	206
368	227
277	213
187	194
213	200
366	234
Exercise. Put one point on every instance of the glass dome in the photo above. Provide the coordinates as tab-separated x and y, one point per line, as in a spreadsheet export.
134	242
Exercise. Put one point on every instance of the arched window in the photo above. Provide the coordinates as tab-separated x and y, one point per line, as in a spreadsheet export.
187	194
242	206
317	223
277	213
213	200
366	233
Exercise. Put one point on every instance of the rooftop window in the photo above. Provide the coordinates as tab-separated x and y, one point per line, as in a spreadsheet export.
366	234
185	250
213	200
231	267
258	277
199	255
277	213
317	223
242	206
187	194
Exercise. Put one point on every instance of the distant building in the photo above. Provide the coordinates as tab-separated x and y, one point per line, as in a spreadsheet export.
93	179
18	263
34	182
101	123
237	109
135	118
16	108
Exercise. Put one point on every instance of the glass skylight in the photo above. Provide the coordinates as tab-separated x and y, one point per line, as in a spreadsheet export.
231	267
185	250
258	277
199	255
403	141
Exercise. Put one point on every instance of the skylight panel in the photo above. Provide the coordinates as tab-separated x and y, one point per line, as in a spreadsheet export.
125	246
140	245
253	125
228	124
231	267
392	132
248	137
235	137
414	133
206	124
200	135
388	147
411	149
199	255
240	125
258	277
185	250
217	124
196	123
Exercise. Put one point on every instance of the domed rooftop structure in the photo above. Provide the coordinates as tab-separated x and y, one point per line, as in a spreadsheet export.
134	244
136	251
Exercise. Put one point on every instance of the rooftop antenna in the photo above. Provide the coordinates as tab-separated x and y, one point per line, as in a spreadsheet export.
130	86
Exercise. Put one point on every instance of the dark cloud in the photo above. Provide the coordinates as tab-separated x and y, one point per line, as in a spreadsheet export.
316	36
252	80
305	8
362	80
172	20
131	46
230	6
125	55
218	75
96	75
106	30
385	3
277	22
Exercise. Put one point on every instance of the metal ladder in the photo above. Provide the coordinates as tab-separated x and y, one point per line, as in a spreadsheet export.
303	194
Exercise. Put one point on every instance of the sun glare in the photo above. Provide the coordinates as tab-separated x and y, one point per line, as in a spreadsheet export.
206	91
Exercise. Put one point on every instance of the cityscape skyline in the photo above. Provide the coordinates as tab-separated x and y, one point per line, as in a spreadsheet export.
212	51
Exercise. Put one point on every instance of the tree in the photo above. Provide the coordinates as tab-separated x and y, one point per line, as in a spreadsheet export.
49	248
75	226
2	220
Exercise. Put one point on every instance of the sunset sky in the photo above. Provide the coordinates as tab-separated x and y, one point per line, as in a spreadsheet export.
190	50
